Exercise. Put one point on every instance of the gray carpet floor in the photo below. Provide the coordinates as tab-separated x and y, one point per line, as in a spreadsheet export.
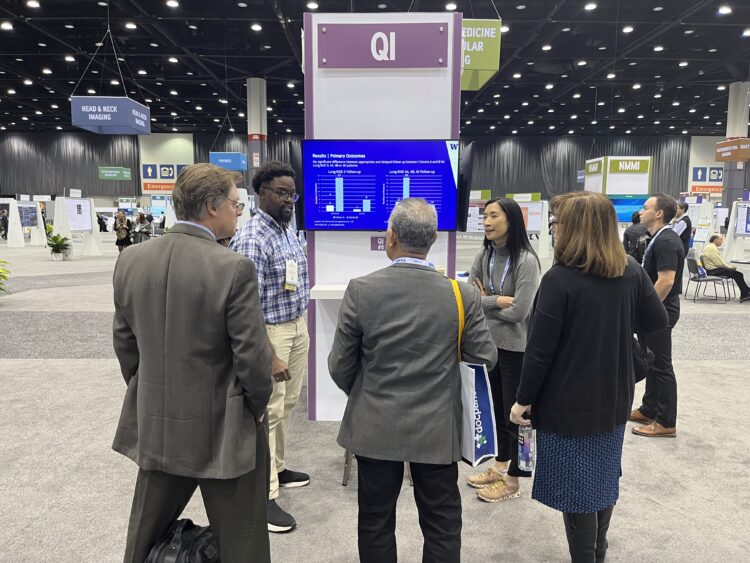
65	495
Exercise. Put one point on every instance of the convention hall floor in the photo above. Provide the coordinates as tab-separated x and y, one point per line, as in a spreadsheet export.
65	495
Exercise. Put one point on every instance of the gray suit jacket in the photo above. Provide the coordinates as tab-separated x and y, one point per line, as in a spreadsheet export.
193	349
395	355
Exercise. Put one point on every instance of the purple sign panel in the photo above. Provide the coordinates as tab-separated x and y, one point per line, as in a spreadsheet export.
377	244
375	45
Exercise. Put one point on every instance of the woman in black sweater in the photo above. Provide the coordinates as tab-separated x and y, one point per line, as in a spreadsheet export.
577	381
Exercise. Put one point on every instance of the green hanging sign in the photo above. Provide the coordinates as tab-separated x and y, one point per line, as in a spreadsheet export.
114	173
481	48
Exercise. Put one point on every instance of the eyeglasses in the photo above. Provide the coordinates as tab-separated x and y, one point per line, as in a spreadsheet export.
237	205
284	195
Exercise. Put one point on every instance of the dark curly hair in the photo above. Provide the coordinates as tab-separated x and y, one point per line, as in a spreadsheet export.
268	172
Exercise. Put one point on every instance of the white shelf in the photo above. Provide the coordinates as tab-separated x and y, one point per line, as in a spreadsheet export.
321	292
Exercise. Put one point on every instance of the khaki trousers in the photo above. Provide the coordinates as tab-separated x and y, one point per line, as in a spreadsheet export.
291	342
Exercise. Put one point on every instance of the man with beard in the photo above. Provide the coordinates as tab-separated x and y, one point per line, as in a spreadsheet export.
281	266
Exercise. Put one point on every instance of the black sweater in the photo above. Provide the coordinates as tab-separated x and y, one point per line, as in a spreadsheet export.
578	366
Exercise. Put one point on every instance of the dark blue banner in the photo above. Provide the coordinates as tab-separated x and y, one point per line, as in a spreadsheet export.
110	115
354	185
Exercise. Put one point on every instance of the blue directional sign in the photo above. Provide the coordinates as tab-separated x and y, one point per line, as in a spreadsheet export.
716	174
229	160
150	172
700	174
110	115
166	171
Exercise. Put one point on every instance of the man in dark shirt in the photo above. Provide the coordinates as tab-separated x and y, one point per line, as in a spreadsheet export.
635	238
683	226
663	261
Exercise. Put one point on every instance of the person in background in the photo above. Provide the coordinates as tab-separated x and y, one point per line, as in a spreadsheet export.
122	230
716	266
635	239
102	223
506	272
281	263
683	226
664	262
189	335
4	223
395	355
577	382
142	229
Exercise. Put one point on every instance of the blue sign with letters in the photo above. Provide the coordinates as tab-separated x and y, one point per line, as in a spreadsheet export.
700	174
166	171
229	160
150	172
716	174
110	115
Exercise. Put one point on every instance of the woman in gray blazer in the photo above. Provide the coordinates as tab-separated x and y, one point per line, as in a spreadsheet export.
506	272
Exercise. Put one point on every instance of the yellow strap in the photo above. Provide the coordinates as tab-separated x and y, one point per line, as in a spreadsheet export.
461	317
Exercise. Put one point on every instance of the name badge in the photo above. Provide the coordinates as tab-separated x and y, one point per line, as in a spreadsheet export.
292	276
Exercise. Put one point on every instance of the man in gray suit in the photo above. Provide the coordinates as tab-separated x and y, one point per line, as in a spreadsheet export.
395	355
192	346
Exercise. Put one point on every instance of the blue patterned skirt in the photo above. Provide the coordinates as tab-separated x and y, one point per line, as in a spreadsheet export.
578	473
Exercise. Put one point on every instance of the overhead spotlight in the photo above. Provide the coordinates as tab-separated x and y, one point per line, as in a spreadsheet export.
6	26
70	58
611	75
620	110
549	86
46	71
524	104
11	91
590	6
173	3
683	63
530	123
746	32
173	59
521	7
173	92
600	103
312	5
689	31
514	132
382	6
54	106
173	114
657	96
594	122
256	27
675	103
114	82
91	91
450	6
570	132
658	8
725	10
28	82
636	86
574	116
199	108
546	47
576	96
684	131
33	4
517	75
504	29
130	25
581	63
141	71
290	84
223	101
721	88
628	29
492	126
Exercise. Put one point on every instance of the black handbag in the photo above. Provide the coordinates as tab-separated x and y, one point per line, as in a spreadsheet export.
642	358
185	542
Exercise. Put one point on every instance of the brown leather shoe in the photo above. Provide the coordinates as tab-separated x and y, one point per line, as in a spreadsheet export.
655	430
638	416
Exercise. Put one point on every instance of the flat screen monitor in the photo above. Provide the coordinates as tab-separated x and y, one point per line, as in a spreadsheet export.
28	214
743	220
354	185
626	205
79	214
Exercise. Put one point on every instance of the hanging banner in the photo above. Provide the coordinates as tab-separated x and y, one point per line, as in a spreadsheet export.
229	160
110	115
114	173
481	48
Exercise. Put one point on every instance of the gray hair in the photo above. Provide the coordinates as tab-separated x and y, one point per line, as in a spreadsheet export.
197	186
414	221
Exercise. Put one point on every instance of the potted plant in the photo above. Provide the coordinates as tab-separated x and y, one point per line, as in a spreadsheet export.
58	245
4	275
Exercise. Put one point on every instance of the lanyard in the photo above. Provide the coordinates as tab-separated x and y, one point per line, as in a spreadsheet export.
416	261
664	228
491	268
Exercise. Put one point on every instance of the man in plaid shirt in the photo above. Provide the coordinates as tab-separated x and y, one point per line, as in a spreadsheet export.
281	265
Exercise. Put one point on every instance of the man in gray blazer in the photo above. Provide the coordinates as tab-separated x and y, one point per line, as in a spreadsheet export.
395	355
192	346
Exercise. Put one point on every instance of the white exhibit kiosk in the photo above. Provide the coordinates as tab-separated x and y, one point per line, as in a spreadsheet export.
15	230
619	175
31	219
359	86
738	232
78	215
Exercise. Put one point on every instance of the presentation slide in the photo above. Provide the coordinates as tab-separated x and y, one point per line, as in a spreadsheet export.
354	185
532	215
79	214
625	206
743	220
28	214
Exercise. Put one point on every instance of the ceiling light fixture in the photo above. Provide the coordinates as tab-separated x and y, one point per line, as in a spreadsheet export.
658	49
576	96
142	72
636	86
517	75
590	6
91	91
173	3
69	26
594	122
33	4
28	82
46	71
657	96
199	108
611	75
173	92
683	63
628	29
581	63
6	26
130	25
746	32
546	47
114	82
173	60
450	6
504	29
725	10
658	8
256	27
549	86
312	6
290	85
675	103
521	7
689	31
721	88
524	104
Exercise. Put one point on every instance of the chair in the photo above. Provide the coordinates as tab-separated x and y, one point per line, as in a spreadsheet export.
698	280
730	282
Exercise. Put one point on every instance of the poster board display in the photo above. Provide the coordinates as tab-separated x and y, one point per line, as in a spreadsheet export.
532	215
742	228
28	214
79	214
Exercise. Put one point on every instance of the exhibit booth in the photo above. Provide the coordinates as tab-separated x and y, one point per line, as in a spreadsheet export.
373	138
78	215
738	233
14	236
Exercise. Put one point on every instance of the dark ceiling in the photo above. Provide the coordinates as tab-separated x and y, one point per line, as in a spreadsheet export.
682	87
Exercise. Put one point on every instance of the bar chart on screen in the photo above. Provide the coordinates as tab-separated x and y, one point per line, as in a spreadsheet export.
402	186
353	193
